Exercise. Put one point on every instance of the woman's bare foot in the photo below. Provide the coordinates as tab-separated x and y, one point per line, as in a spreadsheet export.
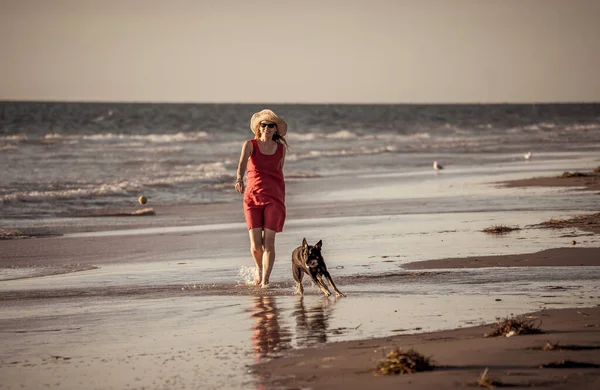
265	285
258	276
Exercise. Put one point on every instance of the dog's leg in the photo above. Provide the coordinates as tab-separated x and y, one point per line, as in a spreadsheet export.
298	274
319	284
338	293
322	286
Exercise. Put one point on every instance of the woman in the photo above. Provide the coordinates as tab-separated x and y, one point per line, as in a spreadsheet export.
264	191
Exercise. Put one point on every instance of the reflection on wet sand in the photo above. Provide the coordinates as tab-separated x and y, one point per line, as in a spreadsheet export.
271	332
312	323
269	335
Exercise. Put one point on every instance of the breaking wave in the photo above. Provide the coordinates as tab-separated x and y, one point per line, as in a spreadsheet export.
203	173
156	138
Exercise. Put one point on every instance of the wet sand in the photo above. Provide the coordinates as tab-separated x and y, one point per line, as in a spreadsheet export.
100	333
157	302
558	257
555	257
589	181
460	357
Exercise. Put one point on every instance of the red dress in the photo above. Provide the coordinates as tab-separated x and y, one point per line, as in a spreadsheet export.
264	197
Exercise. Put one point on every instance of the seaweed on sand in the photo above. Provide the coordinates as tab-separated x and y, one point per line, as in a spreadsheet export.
564	222
557	347
567	175
514	326
500	229
6	234
399	362
569	364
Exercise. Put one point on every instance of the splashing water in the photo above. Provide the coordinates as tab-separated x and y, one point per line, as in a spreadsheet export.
246	275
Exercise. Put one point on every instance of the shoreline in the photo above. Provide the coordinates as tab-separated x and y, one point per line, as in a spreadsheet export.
585	181
460	356
555	257
220	213
148	273
415	272
157	215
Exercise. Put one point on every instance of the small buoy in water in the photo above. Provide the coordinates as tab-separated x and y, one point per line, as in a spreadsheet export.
142	199
573	242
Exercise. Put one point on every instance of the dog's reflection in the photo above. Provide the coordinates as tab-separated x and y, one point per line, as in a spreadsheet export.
269	336
312	323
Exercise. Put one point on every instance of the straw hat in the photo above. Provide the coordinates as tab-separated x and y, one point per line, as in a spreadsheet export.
270	116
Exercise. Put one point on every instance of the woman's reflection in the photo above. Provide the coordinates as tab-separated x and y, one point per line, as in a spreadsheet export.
269	336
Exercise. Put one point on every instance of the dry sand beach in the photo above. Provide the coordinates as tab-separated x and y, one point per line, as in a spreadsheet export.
163	301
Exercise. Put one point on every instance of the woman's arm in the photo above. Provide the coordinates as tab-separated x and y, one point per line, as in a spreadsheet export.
241	171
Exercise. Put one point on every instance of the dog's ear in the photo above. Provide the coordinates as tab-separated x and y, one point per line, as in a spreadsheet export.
304	243
319	244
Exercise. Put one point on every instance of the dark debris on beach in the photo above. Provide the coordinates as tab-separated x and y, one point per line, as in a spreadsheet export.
500	229
593	173
569	364
571	222
557	347
9	234
399	362
143	212
12	234
567	175
514	326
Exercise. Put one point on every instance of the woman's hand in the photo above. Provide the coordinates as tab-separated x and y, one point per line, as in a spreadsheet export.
239	186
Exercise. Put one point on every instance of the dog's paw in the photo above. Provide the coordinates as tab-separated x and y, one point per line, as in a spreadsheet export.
339	294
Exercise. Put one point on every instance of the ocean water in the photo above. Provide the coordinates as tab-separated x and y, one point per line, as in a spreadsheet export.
66	159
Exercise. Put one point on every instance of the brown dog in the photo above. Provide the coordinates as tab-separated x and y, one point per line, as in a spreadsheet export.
308	259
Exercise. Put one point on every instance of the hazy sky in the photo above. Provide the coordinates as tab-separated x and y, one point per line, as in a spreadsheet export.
363	51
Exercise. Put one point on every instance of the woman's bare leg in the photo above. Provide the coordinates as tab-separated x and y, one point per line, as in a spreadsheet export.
268	256
256	248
